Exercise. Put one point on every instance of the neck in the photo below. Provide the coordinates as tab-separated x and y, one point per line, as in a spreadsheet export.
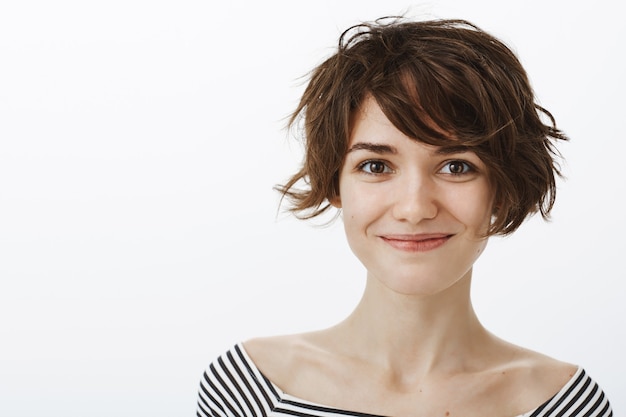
416	334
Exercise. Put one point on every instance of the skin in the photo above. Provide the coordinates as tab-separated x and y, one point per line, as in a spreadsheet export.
415	217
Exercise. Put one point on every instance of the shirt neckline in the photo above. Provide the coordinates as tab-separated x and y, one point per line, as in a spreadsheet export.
284	397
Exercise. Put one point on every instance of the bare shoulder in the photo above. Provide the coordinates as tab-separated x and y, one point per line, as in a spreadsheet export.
545	370
269	354
534	377
286	359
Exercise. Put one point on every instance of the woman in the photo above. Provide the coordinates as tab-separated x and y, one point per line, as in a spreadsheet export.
427	137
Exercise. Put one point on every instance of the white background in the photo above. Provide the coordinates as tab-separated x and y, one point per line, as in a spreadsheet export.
139	233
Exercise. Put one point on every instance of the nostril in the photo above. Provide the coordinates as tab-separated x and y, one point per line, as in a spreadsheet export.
414	207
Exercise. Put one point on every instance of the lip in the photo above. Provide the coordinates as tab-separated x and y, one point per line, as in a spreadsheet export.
417	242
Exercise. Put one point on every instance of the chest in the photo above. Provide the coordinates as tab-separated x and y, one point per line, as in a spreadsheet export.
465	396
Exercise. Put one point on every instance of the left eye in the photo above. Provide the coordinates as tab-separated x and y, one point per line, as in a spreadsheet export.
374	167
456	168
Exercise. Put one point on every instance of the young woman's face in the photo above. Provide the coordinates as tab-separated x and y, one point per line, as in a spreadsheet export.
413	215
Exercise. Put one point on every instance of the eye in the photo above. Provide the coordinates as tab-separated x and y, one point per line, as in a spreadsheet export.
457	167
374	167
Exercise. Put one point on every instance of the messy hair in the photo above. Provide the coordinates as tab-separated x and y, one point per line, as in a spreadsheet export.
441	82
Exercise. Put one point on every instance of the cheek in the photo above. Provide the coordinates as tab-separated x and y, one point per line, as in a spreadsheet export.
480	219
360	209
362	203
353	201
474	208
354	212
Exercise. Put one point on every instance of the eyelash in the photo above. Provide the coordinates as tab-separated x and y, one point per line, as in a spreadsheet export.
362	167
365	167
468	168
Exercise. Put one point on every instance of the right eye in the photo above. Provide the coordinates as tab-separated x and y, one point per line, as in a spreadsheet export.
374	167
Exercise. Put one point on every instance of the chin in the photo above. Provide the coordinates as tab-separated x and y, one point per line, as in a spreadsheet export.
422	287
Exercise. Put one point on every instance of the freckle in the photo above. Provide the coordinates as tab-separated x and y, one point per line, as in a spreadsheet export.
503	372
447	413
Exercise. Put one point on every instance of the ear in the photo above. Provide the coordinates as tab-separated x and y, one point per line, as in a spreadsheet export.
496	207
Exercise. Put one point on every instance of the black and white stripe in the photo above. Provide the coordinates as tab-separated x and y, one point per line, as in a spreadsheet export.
581	396
233	387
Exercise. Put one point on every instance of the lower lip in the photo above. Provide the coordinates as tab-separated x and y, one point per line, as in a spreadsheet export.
417	245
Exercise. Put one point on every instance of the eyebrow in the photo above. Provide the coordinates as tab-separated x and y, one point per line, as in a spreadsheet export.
373	147
388	149
448	150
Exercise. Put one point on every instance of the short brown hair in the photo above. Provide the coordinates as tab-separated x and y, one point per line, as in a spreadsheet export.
444	83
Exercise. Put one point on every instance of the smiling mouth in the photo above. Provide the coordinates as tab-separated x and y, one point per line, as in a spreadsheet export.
418	243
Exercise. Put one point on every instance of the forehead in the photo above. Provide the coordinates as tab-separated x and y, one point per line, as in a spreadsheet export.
368	116
369	122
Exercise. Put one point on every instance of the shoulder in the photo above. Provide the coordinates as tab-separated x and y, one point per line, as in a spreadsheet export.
232	386
277	357
580	395
555	387
542	374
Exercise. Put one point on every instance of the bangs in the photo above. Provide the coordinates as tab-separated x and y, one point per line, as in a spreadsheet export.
434	107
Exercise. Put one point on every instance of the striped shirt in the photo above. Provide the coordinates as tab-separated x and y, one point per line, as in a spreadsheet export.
233	386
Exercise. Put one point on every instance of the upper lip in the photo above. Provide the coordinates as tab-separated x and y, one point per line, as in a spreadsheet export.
415	237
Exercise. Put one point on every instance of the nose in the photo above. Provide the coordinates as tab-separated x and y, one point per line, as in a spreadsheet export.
415	199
